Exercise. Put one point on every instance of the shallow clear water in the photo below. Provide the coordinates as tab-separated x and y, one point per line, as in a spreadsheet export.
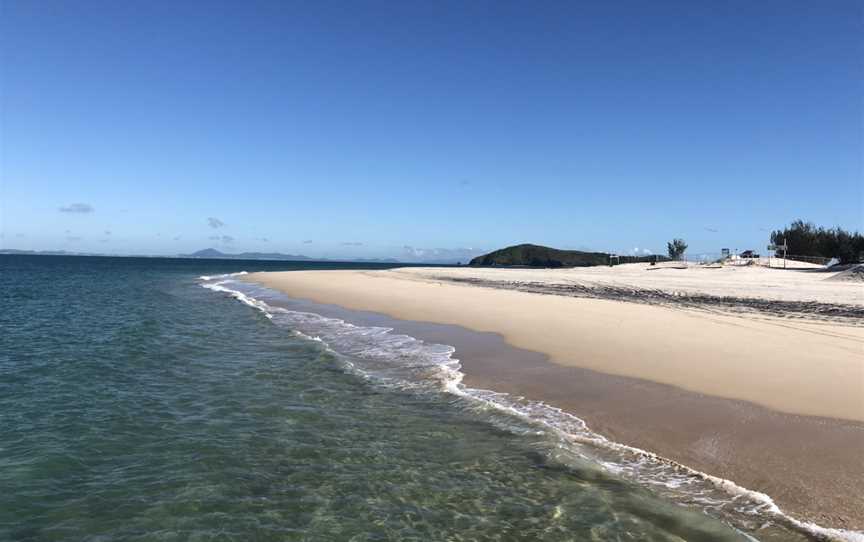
137	405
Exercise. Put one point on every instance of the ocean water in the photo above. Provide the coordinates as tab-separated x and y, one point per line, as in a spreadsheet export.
139	400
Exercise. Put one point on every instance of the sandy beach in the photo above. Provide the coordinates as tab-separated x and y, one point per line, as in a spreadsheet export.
810	364
775	403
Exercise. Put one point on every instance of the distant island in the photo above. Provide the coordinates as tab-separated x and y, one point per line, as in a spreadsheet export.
528	255
212	253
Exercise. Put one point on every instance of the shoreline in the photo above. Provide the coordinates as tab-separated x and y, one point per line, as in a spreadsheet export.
807	464
811	367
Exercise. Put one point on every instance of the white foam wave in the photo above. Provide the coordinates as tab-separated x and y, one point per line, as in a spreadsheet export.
404	362
226	275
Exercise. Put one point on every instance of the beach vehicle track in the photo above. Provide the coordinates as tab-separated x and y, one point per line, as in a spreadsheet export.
835	313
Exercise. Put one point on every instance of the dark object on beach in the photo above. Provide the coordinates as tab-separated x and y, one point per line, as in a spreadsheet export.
749	254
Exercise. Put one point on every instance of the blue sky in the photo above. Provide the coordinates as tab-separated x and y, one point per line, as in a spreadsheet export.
347	129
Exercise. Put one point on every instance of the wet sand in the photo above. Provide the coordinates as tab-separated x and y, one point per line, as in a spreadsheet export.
812	467
802	366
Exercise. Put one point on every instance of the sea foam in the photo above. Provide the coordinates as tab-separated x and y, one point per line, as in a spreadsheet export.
403	362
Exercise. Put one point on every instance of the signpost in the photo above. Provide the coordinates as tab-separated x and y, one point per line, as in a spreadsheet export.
777	248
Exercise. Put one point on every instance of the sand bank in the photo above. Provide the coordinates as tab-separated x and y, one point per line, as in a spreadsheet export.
811	466
807	367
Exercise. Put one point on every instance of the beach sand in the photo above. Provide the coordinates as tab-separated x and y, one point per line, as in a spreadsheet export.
774	404
799	366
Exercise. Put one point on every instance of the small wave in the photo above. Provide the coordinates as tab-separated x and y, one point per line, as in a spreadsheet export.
406	363
226	275
240	296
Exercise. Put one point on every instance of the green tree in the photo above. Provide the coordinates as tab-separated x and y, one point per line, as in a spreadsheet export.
806	239
676	248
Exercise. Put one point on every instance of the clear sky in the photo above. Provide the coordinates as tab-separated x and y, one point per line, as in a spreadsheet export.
361	128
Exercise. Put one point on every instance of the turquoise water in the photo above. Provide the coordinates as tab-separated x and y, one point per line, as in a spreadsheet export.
136	404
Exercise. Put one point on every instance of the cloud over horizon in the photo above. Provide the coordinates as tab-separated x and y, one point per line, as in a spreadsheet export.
443	255
214	222
77	208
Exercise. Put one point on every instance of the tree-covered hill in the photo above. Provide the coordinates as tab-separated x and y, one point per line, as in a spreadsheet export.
528	255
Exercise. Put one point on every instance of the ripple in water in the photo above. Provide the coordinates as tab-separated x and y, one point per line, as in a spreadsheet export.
135	405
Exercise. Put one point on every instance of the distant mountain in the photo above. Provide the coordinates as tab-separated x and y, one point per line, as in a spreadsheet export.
538	256
212	253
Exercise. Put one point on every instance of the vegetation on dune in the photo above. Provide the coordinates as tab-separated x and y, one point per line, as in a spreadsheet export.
802	239
676	248
806	239
539	256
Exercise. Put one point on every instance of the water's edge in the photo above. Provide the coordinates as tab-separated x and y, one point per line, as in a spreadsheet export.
434	365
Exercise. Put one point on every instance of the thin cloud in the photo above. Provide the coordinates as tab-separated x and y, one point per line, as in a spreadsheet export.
307	242
222	238
214	222
712	230
447	255
107	232
77	208
74	238
352	244
262	239
177	238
